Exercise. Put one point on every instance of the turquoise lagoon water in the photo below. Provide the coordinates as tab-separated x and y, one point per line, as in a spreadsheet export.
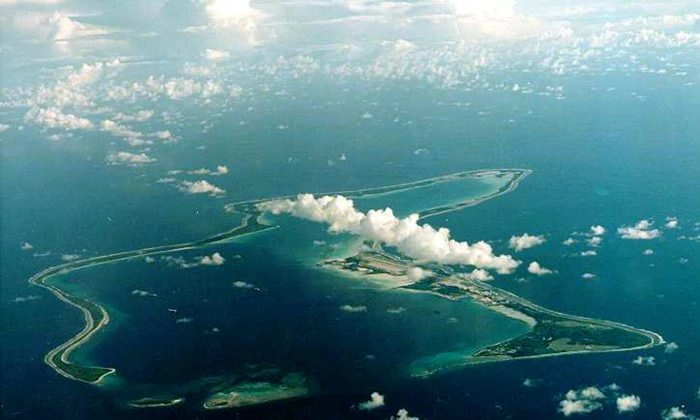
610	162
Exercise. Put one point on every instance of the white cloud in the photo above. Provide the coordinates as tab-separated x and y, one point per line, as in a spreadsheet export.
421	242
628	403
402	414
417	273
594	241
525	241
214	259
353	309
569	241
128	158
163	135
675	413
397	310
671	223
143	293
588	276
235	15
582	401
671	347
477	274
133	138
531	383
141	116
200	187
589	253
216	55
21	299
376	400
640	231
70	257
4	127
55	118
569	407
239	284
597	230
648	252
220	170
536	269
26	246
644	361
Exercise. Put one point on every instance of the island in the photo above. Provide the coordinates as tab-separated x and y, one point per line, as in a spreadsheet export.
154	402
552	333
243	394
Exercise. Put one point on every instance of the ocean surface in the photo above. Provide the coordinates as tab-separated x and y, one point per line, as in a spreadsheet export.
598	158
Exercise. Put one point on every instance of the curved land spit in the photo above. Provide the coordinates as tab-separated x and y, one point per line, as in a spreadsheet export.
96	317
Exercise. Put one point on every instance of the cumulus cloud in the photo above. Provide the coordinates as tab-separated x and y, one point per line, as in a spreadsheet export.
216	55
588	276
185	320
531	383
163	135
220	170
648	252
671	347
644	361
4	127
628	403
397	310
130	159
536	269
239	284
525	241
353	309
675	413
594	241
418	273
420	242
21	299
402	414
478	274
569	241
200	187
26	246
214	259
143	293
582	401
231	15
671	223
597	230
642	230
133	138
589	253
141	116
376	400
55	118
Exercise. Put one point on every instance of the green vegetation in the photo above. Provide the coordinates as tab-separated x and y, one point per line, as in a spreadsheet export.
258	392
552	333
150	402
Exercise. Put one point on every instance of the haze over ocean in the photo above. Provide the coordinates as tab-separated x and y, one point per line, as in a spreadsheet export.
121	130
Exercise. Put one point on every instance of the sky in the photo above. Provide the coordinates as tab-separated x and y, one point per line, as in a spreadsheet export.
73	65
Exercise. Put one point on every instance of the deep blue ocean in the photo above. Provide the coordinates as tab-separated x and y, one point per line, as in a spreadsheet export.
598	157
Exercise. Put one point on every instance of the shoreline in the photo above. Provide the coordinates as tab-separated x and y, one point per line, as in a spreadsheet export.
96	375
